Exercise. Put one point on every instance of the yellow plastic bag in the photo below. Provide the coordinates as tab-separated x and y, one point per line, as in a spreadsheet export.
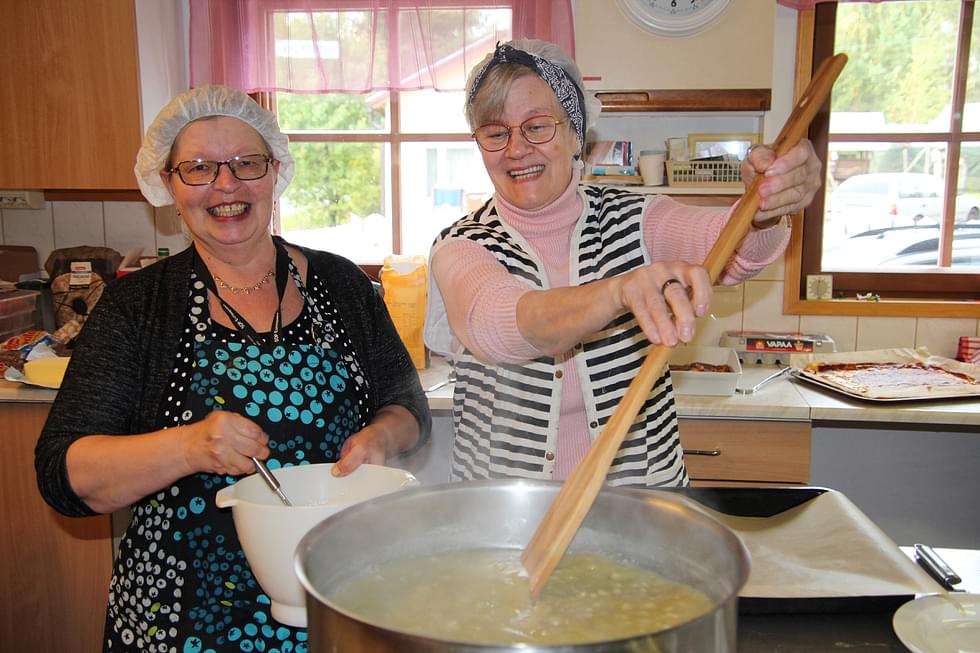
404	280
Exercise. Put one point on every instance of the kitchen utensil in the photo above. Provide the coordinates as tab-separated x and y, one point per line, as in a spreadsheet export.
758	386
450	378
936	567
571	505
270	480
663	531
269	531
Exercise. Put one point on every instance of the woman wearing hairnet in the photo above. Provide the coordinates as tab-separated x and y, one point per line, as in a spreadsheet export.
548	296
240	346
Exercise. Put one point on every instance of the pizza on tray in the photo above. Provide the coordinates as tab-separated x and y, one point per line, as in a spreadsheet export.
902	378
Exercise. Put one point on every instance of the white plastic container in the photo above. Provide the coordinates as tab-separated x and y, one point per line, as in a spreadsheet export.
705	383
269	531
652	167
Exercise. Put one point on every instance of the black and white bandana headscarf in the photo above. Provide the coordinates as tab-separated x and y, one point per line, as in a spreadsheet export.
568	92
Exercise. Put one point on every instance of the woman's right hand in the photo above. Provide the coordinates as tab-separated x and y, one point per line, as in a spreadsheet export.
224	443
666	298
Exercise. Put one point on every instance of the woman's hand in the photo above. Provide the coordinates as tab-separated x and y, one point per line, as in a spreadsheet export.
369	445
666	298
393	430
790	182
224	443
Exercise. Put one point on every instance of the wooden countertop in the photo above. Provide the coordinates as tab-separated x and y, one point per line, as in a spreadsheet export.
782	399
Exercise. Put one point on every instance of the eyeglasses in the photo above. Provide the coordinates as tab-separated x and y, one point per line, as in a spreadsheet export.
537	130
201	173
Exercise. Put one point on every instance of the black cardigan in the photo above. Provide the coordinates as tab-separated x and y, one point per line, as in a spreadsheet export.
125	353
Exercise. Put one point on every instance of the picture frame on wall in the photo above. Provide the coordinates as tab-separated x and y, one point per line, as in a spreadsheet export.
732	145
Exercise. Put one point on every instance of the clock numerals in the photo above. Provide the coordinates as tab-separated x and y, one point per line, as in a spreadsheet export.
673	17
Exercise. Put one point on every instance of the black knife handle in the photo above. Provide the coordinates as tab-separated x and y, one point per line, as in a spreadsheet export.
936	566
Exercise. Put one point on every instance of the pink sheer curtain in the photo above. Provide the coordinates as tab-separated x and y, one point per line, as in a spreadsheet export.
810	4
357	46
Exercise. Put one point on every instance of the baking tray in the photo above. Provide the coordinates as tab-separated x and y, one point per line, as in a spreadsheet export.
888	395
687	382
766	502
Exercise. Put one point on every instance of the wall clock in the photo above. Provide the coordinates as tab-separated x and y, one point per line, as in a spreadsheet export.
819	286
674	17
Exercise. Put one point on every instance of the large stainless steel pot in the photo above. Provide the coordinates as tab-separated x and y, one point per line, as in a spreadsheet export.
660	530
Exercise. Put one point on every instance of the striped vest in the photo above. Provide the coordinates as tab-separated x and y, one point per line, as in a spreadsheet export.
505	417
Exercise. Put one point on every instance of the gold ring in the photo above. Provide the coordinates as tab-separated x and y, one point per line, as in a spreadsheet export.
668	282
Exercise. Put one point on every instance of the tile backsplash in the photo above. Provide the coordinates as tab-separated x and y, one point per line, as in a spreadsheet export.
119	225
755	304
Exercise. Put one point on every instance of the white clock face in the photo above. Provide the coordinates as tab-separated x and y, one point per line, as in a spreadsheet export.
674	17
819	286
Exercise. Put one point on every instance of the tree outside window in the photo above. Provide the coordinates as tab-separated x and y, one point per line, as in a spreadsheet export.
900	215
383	172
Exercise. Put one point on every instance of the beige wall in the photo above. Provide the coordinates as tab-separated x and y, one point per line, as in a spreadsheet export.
735	52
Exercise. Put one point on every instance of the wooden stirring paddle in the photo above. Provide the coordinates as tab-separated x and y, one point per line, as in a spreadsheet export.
576	496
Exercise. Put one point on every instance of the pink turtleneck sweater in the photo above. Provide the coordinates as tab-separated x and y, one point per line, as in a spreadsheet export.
472	277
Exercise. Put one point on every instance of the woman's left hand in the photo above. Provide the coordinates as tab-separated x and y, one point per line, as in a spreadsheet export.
393	430
790	181
369	445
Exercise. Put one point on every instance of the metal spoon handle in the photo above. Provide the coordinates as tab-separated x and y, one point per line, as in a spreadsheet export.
758	386
270	480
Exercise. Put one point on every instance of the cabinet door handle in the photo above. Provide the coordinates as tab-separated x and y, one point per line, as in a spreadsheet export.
702	452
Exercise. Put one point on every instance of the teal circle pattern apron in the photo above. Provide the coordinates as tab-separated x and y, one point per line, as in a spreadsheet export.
181	582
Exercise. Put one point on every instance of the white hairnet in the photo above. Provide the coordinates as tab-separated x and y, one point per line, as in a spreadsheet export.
199	103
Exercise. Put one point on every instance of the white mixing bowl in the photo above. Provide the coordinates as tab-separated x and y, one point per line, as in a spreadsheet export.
269	531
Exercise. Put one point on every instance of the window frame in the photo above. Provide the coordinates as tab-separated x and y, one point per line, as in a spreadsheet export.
395	138
905	295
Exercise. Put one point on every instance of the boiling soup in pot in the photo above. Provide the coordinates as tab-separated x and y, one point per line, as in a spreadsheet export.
482	596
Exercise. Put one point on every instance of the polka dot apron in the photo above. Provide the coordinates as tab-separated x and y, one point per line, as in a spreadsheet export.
181	582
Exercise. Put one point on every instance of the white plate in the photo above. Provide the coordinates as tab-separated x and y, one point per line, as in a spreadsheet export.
932	624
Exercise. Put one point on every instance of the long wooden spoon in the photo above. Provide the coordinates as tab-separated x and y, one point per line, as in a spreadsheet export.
576	496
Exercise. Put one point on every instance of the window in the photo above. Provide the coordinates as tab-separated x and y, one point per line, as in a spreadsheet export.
384	172
900	214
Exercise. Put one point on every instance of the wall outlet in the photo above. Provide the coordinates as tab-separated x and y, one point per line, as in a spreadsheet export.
21	199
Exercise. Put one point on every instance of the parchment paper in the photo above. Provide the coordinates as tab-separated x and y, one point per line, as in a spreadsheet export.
895	355
824	548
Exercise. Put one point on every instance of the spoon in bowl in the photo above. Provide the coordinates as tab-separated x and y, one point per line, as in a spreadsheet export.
271	480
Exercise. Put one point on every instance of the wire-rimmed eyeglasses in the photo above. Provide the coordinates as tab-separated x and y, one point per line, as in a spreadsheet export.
537	130
198	172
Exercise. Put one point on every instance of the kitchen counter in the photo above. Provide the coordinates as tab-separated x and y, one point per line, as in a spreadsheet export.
781	399
856	633
11	391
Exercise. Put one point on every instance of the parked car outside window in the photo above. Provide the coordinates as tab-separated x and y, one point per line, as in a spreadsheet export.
903	247
882	200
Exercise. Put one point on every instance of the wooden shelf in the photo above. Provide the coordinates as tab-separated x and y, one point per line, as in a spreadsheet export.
750	99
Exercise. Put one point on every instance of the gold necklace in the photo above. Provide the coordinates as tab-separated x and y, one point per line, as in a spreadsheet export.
248	290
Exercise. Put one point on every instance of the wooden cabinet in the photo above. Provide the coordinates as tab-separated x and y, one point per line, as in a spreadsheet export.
70	107
54	570
745	452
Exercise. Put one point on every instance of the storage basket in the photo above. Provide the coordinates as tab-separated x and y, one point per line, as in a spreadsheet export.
704	173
